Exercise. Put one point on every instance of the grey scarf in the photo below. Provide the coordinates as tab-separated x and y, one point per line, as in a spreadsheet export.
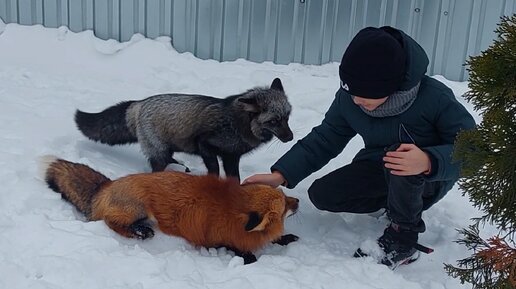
395	104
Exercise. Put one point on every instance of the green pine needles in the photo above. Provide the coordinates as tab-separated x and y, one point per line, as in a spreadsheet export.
488	156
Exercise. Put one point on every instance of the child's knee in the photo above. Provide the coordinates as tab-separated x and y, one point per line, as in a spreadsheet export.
316	193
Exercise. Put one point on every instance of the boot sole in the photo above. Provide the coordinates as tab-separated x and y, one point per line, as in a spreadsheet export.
407	261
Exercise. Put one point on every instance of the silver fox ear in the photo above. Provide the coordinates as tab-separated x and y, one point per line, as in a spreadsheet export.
249	104
276	84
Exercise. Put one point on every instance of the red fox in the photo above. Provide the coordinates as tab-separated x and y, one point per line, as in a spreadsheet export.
205	210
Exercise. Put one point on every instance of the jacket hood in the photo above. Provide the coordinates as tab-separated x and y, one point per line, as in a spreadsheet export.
416	62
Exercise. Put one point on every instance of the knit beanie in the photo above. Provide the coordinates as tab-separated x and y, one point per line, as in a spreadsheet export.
373	65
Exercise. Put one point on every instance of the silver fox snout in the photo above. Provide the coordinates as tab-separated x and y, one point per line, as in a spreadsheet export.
286	137
282	132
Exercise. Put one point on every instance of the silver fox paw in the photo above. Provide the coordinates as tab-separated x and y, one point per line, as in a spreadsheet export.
178	167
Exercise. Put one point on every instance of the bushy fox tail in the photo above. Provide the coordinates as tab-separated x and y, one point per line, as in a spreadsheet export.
76	183
108	126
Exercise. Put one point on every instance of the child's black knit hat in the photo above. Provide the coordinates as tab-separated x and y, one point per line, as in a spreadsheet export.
373	65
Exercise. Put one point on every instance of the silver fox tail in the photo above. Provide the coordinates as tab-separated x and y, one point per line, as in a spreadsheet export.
108	126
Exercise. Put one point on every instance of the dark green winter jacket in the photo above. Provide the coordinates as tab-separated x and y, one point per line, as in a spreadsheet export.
433	121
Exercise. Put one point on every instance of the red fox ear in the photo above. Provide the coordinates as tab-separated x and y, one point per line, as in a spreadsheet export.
255	222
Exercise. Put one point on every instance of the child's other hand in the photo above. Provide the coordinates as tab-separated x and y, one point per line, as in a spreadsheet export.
407	160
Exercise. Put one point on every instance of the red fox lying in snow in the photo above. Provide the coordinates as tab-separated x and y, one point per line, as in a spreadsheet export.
205	210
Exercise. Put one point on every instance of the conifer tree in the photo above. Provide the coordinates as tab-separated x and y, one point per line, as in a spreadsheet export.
488	156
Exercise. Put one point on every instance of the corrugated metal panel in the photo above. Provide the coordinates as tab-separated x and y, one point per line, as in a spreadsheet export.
283	31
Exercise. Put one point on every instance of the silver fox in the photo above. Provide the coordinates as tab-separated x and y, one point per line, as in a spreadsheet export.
197	124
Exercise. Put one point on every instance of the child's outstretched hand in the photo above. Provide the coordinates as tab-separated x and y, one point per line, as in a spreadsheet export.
407	160
273	179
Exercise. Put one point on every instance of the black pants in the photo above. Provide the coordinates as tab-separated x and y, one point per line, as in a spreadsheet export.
366	186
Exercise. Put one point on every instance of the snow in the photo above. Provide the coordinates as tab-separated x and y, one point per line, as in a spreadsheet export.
45	74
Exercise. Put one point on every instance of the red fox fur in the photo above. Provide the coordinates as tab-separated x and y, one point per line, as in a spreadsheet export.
205	210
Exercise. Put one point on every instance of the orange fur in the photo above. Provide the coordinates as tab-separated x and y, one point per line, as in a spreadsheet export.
205	210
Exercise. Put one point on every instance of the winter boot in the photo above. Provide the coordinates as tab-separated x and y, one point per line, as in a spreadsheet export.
399	245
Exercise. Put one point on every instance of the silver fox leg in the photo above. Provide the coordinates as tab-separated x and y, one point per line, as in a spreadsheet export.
159	157
212	164
157	165
161	160
209	158
172	160
231	165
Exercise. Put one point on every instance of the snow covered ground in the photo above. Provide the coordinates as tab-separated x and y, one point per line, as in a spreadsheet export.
45	74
